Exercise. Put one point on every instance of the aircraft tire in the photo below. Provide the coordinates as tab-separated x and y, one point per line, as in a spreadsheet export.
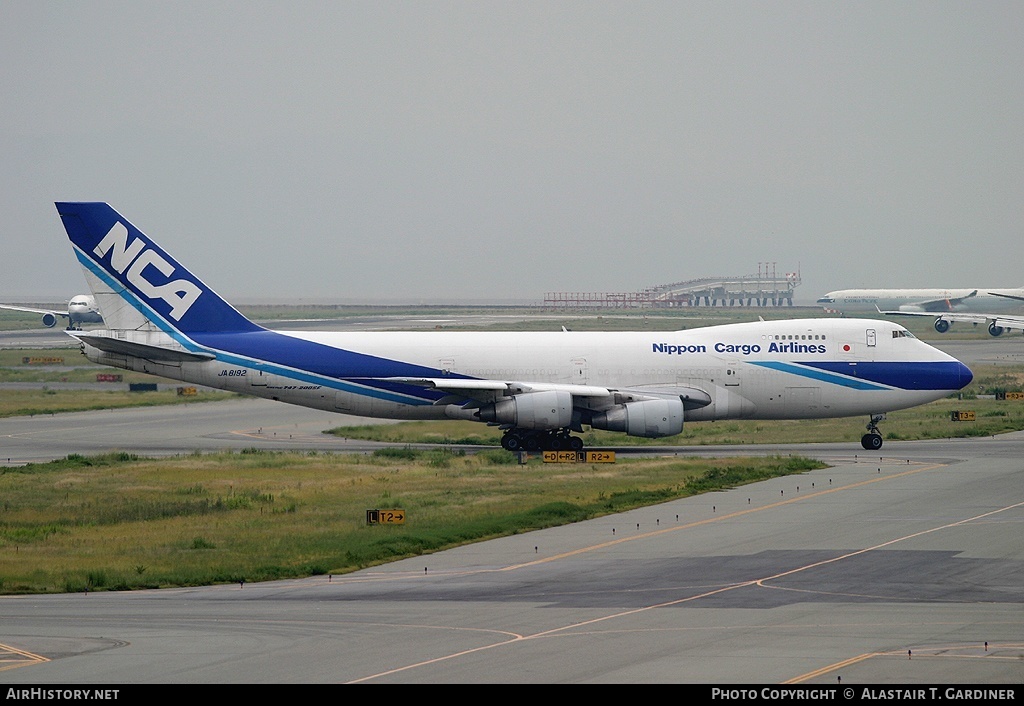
575	443
871	442
511	442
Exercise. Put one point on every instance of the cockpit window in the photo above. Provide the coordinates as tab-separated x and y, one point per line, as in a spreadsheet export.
902	333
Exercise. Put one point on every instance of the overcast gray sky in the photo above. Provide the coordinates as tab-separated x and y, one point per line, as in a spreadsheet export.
499	150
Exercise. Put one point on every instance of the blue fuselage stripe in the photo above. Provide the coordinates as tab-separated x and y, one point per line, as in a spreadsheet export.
821	376
278	354
359	373
862	375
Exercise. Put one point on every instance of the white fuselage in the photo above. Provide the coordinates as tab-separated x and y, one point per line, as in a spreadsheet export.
981	301
82	309
793	369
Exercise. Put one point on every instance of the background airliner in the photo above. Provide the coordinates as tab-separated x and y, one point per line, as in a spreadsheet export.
82	309
538	386
998	309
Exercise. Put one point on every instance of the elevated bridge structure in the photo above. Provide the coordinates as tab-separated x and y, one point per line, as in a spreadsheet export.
761	289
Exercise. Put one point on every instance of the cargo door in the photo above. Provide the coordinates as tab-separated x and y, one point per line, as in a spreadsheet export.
732	374
803	401
580	371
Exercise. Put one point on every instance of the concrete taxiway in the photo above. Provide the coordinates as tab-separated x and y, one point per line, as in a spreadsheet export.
904	567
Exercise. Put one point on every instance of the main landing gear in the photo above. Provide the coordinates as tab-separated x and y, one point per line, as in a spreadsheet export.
872	441
537	440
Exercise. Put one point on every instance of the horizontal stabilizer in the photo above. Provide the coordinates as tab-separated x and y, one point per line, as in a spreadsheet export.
141	350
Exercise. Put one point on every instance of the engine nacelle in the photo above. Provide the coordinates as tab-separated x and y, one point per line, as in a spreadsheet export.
49	320
551	409
650	418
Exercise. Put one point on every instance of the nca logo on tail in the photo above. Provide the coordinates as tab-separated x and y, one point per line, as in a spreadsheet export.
179	294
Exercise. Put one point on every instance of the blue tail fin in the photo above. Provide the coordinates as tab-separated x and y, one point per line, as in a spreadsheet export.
135	281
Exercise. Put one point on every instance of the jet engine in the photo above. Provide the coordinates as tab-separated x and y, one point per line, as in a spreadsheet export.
551	409
650	418
49	320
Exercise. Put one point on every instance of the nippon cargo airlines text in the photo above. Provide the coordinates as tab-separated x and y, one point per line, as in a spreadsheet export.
741	348
35	694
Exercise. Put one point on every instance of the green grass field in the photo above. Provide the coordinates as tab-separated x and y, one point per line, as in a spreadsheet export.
121	522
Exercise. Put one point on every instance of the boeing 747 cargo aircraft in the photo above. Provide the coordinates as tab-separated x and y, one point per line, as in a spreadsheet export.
539	387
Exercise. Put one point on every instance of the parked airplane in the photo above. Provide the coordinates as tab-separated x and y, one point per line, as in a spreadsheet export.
82	309
538	386
993	307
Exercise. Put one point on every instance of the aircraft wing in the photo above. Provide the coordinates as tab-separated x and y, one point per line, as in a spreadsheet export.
1001	321
1007	296
52	312
937	305
487	391
1004	321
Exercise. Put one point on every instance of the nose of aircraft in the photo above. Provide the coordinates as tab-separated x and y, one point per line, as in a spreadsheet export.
963	376
955	376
